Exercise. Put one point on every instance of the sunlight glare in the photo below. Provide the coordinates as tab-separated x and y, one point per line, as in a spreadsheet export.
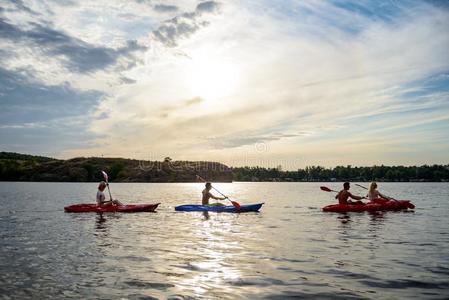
212	79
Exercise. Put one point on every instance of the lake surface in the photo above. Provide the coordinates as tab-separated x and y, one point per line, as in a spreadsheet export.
291	249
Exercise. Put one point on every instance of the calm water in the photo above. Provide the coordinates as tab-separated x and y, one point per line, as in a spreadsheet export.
289	250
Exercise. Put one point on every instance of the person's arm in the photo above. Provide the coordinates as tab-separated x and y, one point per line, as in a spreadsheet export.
355	197
338	195
383	196
216	198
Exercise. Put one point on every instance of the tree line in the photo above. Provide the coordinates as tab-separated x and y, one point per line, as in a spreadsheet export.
24	167
344	173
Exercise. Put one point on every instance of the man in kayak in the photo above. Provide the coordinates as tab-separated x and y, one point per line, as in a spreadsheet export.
207	195
344	195
101	198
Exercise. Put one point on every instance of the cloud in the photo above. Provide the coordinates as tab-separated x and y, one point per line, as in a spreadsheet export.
324	81
43	119
25	101
82	56
193	101
184	25
181	108
164	8
251	138
52	77
18	5
207	7
127	80
294	80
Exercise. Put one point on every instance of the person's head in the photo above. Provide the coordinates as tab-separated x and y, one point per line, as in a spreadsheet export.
372	186
102	186
208	185
346	185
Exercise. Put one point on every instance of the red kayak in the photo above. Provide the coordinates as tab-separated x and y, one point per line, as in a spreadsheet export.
374	205
130	208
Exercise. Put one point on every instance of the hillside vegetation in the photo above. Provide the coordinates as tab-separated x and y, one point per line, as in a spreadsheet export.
345	173
22	167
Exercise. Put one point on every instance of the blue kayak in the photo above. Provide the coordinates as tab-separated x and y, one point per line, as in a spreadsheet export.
231	209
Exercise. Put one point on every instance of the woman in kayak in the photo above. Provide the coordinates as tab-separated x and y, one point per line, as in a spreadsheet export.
373	193
344	195
101	198
207	195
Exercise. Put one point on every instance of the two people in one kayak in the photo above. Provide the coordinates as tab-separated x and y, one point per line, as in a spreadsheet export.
208	195
101	198
344	195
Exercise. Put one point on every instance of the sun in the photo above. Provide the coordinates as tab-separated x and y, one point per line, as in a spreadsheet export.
212	79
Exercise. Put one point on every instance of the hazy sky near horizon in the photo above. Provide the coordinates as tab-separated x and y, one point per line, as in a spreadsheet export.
250	82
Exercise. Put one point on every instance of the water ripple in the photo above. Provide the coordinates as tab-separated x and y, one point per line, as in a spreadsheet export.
290	250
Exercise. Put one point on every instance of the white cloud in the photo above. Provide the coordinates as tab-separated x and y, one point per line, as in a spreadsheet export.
261	69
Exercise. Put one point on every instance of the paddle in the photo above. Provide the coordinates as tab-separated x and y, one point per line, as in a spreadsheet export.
367	189
326	189
236	204
105	175
360	186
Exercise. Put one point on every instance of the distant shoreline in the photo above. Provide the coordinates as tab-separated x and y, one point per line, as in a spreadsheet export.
29	168
131	182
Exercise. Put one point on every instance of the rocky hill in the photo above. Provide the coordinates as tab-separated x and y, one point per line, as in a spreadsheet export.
22	167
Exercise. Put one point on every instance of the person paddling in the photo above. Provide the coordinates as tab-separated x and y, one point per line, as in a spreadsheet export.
101	198
344	195
207	195
374	194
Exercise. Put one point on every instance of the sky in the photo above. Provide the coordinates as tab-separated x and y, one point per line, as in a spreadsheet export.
255	82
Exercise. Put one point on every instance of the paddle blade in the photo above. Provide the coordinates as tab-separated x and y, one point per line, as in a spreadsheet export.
325	188
105	175
236	205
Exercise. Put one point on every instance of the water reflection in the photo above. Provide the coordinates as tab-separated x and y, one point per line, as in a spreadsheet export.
101	226
377	218
344	219
101	222
213	252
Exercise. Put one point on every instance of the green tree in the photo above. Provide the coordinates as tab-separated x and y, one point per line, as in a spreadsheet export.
115	169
